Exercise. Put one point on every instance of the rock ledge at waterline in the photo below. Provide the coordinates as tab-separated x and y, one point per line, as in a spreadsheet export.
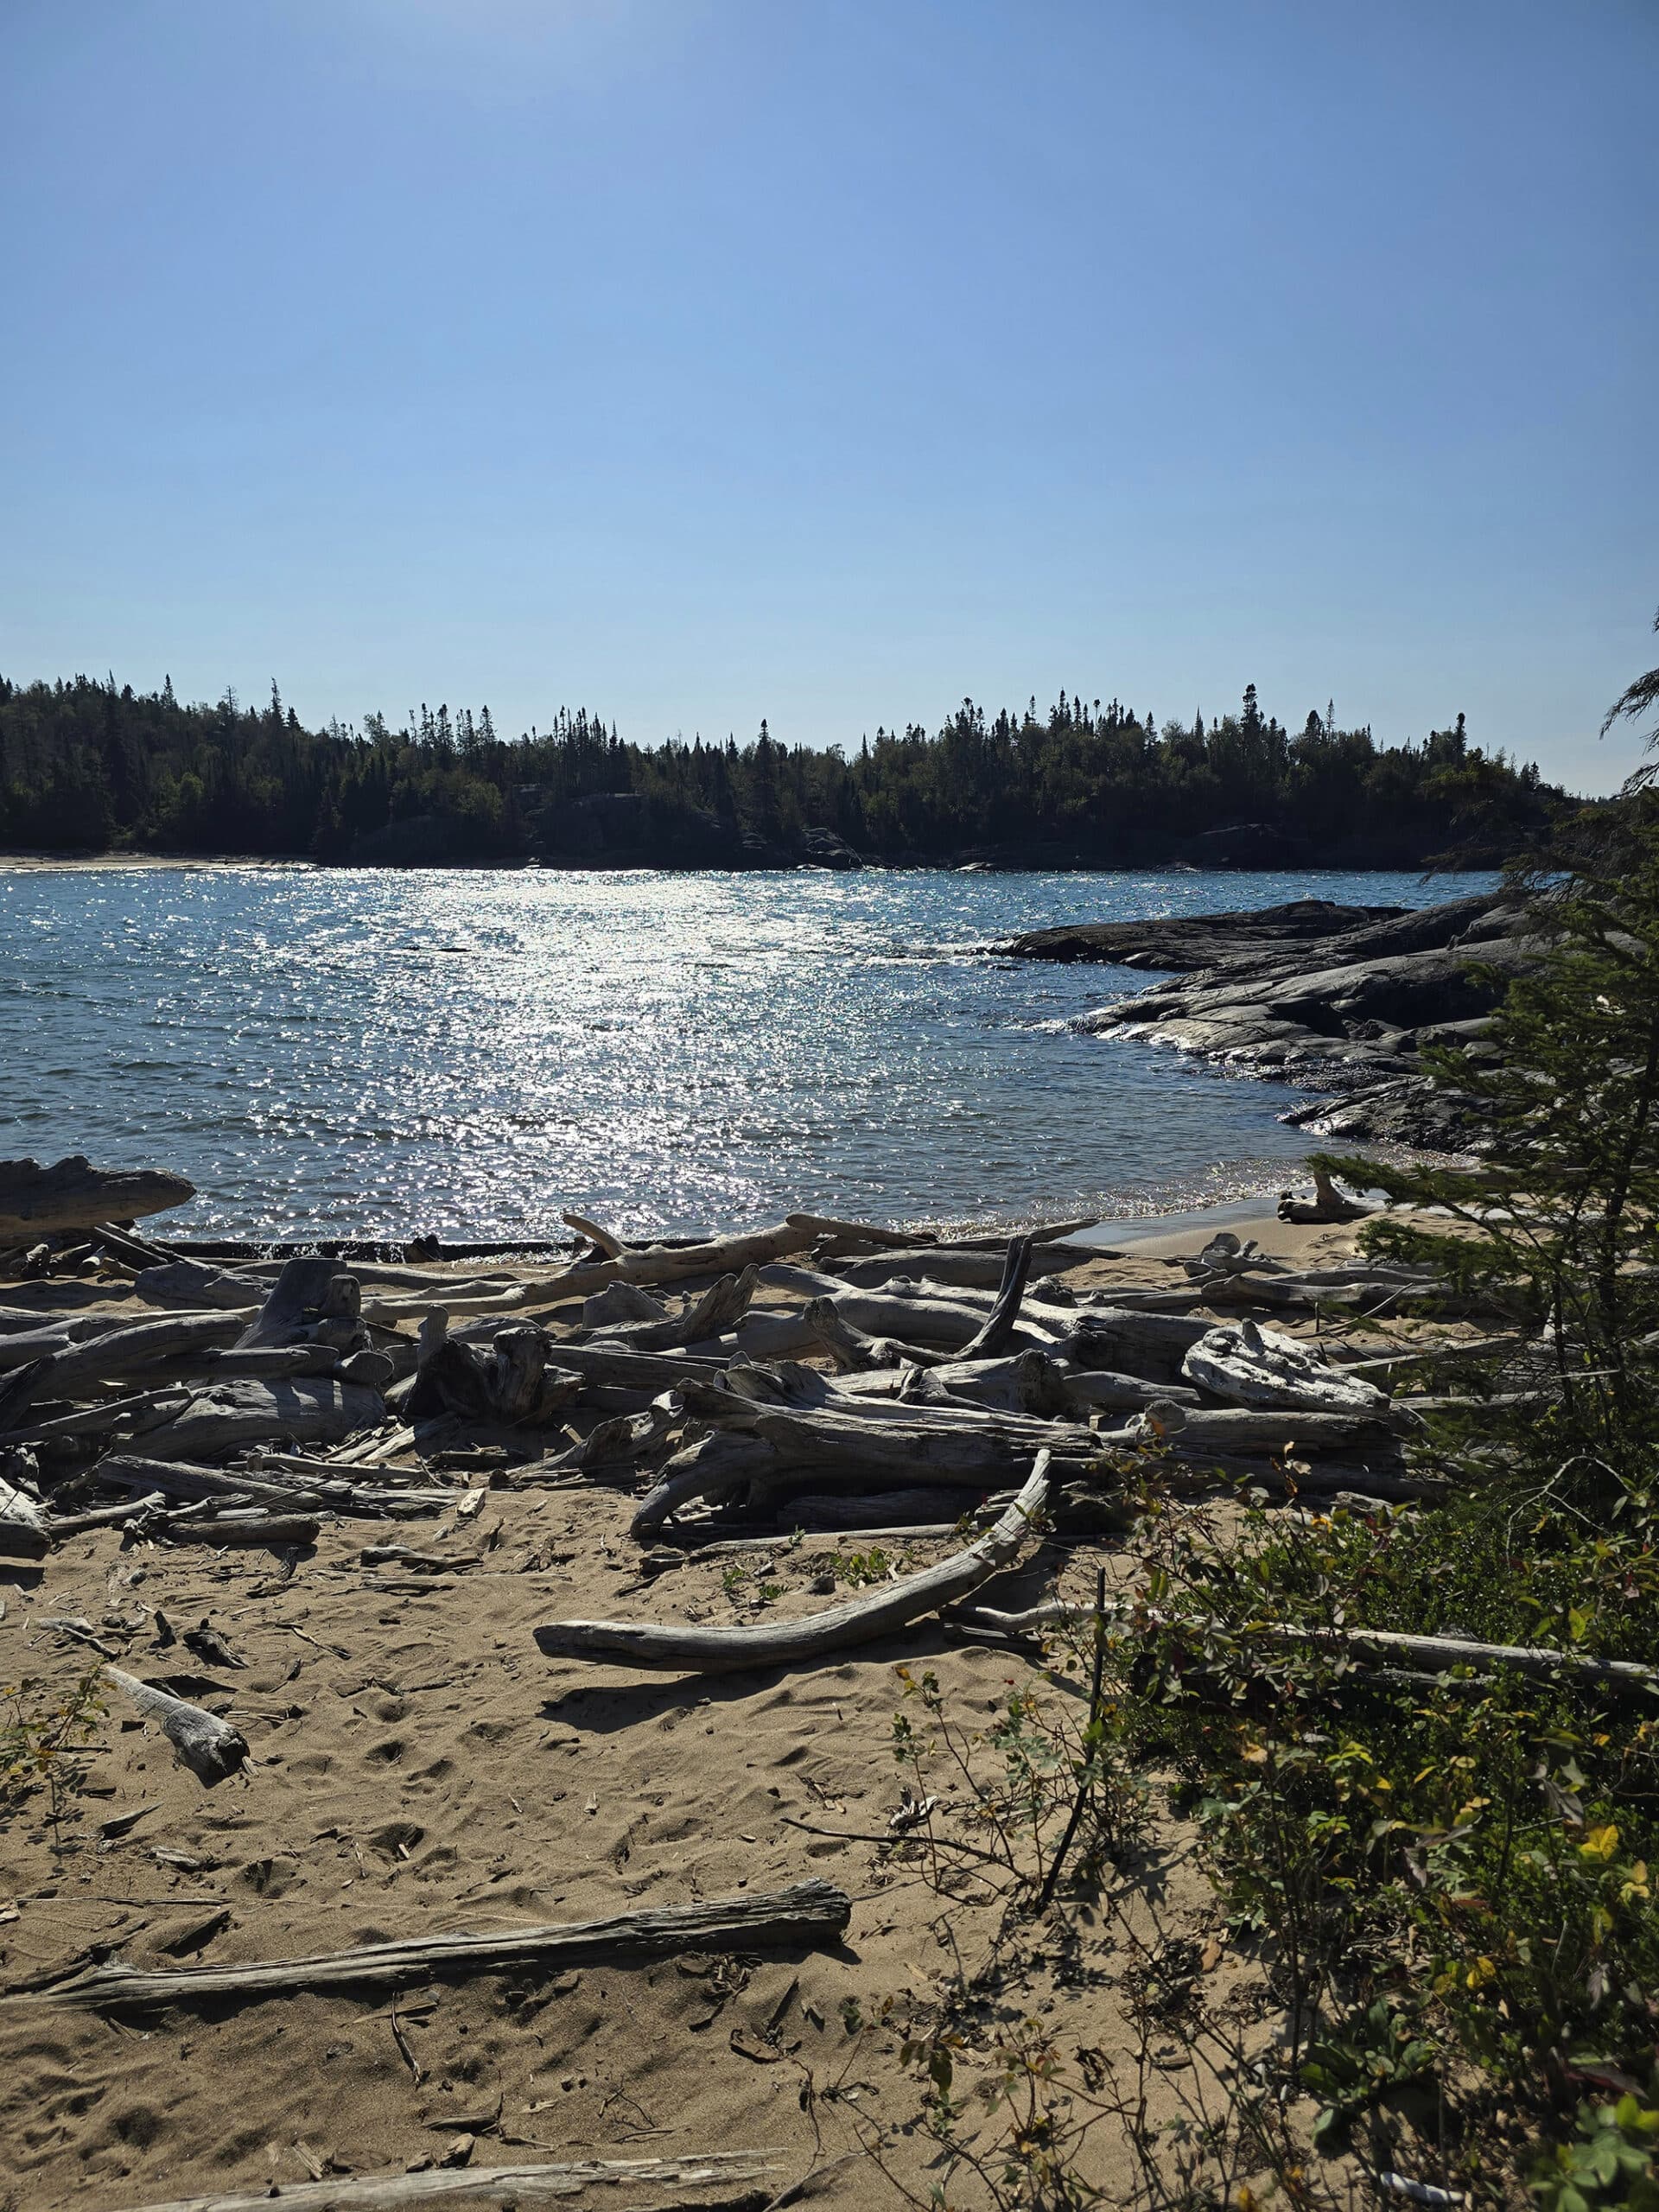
1337	999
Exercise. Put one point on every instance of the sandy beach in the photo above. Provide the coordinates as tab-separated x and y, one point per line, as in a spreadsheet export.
418	1767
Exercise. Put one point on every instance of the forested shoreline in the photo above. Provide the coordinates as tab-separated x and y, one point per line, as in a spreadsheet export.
94	766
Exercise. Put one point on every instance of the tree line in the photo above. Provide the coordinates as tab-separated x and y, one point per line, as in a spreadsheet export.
93	766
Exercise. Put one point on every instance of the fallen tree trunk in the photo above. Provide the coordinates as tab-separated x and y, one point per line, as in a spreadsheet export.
793	1644
808	1913
315	1489
855	1232
1247	1430
958	1442
504	2185
36	1201
1149	1344
998	1332
210	1747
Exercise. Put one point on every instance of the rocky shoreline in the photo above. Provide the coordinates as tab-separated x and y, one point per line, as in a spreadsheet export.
1339	999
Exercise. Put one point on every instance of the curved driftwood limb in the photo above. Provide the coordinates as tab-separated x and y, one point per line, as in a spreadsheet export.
519	2184
24	1532
612	1248
1250	1366
791	1643
620	1303
36	1201
993	1340
808	1913
210	1747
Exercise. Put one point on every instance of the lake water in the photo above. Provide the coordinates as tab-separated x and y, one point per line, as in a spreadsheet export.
469	1053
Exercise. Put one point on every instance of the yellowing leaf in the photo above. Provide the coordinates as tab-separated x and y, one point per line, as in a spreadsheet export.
1600	1844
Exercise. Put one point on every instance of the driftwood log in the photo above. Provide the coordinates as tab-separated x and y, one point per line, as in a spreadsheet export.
794	1643
37	1201
131	1348
507	2185
23	1530
1249	1366
218	1421
210	1747
808	1913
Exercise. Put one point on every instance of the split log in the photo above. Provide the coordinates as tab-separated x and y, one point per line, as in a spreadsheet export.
506	2185
721	1307
277	1531
618	1303
1097	1389
36	1201
215	1422
794	1643
210	1747
808	1914
1249	1366
23	1530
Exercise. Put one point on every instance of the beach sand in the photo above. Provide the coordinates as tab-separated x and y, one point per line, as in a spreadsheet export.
418	1767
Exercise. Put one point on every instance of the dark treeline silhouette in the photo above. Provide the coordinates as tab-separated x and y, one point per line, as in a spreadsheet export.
86	765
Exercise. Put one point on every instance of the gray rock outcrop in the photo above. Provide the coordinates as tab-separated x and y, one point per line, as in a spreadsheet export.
1348	1011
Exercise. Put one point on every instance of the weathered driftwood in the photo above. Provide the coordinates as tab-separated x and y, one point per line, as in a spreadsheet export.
817	1225
23	1530
721	1307
1021	1382
955	1267
1439	1654
960	1443
210	1747
128	1416
601	1361
504	2185
515	1381
923	1318
217	1421
620	1303
26	1345
1045	1232
37	1201
794	1643
306	1293
1097	1389
807	1913
1250	1366
716	1467
131	1348
1327	1203
997	1334
663	1263
277	1531
197	1282
1149	1344
106	1516
1248	1430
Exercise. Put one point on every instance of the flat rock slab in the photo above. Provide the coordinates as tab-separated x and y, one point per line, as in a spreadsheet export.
1176	943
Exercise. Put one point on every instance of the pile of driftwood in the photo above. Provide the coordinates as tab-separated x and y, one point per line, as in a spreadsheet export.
818	1373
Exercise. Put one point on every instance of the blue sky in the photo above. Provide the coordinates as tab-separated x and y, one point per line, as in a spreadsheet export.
698	360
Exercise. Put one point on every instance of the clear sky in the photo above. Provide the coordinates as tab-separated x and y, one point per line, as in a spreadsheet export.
698	360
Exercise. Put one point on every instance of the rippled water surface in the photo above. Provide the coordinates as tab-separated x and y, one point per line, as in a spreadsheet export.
470	1054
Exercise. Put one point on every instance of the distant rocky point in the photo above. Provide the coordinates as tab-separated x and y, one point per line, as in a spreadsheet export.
1335	999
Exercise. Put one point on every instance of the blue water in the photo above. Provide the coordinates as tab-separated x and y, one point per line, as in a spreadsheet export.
469	1053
